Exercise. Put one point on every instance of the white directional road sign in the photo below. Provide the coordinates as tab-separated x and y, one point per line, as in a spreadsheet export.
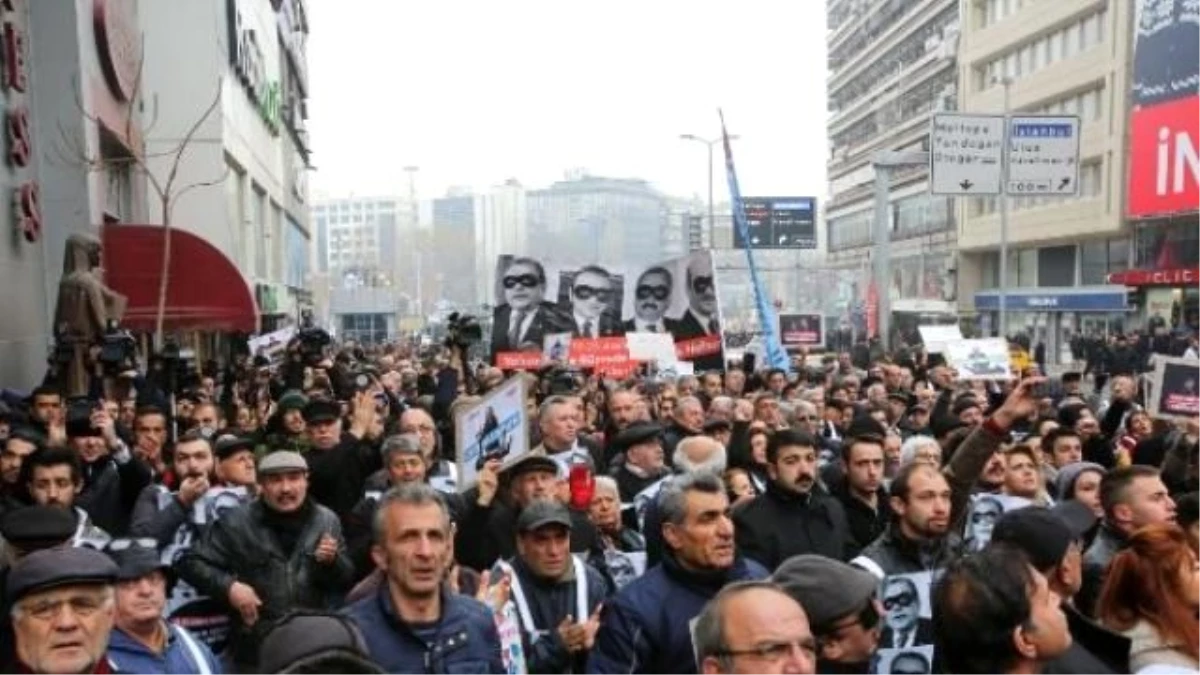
966	153
1043	155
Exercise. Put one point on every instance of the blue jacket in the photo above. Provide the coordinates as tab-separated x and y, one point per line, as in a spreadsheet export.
130	656
644	629
465	639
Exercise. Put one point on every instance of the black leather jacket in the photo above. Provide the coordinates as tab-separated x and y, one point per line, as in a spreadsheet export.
1095	567
244	545
896	554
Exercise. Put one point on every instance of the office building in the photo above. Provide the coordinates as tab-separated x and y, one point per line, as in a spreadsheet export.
1061	57
501	227
453	254
891	65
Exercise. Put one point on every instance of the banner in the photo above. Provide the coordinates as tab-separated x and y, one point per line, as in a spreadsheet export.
544	309
775	356
1175	393
986	359
802	330
495	428
935	338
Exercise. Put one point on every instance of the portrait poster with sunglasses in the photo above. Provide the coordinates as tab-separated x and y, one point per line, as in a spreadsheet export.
801	330
495	428
679	297
1175	390
205	617
907	618
986	509
907	661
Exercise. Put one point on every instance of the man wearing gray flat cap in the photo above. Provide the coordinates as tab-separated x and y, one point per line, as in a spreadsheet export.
278	553
842	608
62	611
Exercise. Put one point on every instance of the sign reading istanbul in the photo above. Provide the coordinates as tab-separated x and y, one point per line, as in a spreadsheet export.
249	64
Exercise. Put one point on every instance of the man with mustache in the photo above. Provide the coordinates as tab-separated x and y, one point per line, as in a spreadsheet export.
651	299
793	516
142	641
278	553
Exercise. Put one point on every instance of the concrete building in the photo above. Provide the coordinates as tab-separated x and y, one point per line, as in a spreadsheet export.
454	230
501	227
591	219
1060	57
242	186
70	123
892	64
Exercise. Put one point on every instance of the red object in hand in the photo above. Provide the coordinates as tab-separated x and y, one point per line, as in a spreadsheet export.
583	486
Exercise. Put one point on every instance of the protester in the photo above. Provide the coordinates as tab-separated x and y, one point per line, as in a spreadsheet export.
842	607
754	627
53	477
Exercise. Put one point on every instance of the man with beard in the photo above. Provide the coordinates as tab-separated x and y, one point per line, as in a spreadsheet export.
150	438
641	445
142	641
278	553
413	623
54	477
792	517
651	300
861	491
524	319
700	319
21	442
926	502
159	513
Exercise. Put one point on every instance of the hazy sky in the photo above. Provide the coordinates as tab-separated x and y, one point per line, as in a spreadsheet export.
474	92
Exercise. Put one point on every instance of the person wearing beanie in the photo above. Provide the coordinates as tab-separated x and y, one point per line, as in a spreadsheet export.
842	608
315	642
1080	481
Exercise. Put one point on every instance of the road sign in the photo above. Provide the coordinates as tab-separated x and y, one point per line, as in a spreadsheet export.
778	222
1043	155
966	154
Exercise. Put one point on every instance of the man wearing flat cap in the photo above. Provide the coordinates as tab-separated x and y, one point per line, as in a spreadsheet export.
278	553
641	445
62	611
143	642
842	608
340	462
488	529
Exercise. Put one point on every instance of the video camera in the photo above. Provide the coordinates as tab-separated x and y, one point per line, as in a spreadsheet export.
177	367
462	330
118	351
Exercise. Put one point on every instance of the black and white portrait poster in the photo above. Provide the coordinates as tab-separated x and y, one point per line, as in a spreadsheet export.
536	298
801	330
495	428
986	509
906	661
1175	390
207	618
907	622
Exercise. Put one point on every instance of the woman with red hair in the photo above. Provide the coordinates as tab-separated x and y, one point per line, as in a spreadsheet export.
1152	595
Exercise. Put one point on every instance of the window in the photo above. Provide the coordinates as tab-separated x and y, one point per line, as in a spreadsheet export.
1091	179
1055	266
1056	47
260	232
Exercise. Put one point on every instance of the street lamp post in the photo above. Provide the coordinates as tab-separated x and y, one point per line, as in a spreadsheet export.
712	216
883	162
1005	82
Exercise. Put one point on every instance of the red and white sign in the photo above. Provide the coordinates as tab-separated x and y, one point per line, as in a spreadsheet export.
1164	159
1168	277
14	78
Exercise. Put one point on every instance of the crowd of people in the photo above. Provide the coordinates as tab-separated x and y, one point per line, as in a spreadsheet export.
883	516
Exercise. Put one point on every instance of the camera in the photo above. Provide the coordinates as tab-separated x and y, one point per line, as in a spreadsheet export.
312	340
118	351
462	330
177	367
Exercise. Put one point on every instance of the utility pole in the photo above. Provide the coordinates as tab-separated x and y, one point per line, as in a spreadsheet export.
712	215
1002	296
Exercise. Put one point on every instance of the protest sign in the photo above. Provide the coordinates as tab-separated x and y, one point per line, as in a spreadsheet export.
495	428
986	359
936	338
651	347
801	330
1175	388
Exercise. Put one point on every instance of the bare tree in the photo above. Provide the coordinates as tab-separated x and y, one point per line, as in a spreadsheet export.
164	183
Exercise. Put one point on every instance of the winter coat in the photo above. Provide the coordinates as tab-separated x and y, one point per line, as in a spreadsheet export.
465	639
184	654
780	524
487	534
1095	567
644	628
1148	648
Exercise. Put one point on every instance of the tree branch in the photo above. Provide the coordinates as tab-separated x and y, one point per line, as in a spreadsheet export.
187	138
200	184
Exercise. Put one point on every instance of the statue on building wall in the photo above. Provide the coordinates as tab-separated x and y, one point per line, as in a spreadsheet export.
87	310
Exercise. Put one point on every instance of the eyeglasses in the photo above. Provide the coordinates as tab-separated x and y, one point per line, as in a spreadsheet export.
702	284
657	292
524	280
984	516
81	605
774	651
146	543
896	601
585	292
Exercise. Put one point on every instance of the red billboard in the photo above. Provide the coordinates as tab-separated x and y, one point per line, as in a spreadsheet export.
1164	154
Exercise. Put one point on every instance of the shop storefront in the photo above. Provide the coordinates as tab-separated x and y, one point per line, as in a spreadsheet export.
1166	298
1053	315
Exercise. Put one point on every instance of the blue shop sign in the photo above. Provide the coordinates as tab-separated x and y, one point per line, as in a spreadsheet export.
1047	300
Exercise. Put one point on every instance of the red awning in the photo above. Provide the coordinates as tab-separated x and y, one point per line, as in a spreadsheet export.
205	290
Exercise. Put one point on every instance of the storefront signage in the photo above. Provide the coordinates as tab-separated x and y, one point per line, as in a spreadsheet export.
249	64
1107	300
1184	276
18	131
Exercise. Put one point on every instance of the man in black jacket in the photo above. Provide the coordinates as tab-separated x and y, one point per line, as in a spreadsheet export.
861	492
792	517
279	553
340	462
